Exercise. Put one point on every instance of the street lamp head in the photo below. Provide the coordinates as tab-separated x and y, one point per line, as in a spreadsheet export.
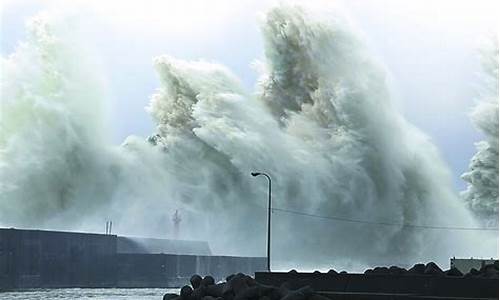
255	174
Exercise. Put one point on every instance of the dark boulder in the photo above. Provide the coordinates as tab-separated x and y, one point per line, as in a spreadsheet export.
198	293
369	272
215	290
417	269
207	280
453	272
381	270
332	272
395	270
195	281
169	296
237	284
472	273
251	293
433	269
489	271
186	292
250	281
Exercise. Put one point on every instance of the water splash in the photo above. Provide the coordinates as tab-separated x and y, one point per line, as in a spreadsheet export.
321	123
482	178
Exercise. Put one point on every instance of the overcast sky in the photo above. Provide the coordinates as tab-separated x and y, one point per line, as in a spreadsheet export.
429	48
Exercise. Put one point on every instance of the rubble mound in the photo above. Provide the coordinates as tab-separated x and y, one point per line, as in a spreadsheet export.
241	287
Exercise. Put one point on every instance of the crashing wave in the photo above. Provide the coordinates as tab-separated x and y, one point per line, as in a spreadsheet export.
321	124
482	178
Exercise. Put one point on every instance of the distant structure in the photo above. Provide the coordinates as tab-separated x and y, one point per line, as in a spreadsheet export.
109	225
464	265
177	222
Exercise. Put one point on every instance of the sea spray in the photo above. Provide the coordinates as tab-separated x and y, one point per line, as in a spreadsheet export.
50	143
482	178
321	124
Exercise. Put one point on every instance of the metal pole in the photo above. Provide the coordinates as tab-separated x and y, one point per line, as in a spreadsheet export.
268	219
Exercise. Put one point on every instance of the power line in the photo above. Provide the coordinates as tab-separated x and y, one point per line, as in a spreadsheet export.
385	223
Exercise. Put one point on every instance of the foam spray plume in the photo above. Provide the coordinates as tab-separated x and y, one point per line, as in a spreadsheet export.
482	177
321	123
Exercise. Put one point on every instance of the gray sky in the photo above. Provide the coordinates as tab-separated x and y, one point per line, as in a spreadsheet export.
428	47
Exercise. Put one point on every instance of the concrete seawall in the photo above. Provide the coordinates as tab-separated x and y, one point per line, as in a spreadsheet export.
52	259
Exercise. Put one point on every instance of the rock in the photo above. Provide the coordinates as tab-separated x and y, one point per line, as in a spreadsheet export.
248	293
332	272
238	283
186	292
250	281
199	293
453	272
486	267
489	271
293	271
195	281
433	269
316	272
227	290
417	269
395	270
343	272
169	296
472	273
215	290
228	278
369	272
381	270
207	280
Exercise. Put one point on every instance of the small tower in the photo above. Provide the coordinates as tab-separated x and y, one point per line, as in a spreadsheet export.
177	222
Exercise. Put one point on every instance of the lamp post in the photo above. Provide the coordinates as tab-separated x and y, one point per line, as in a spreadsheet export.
255	174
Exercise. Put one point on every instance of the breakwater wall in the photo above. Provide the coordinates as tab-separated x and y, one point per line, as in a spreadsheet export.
53	259
387	286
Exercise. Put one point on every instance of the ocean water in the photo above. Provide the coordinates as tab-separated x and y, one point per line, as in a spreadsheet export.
88	293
